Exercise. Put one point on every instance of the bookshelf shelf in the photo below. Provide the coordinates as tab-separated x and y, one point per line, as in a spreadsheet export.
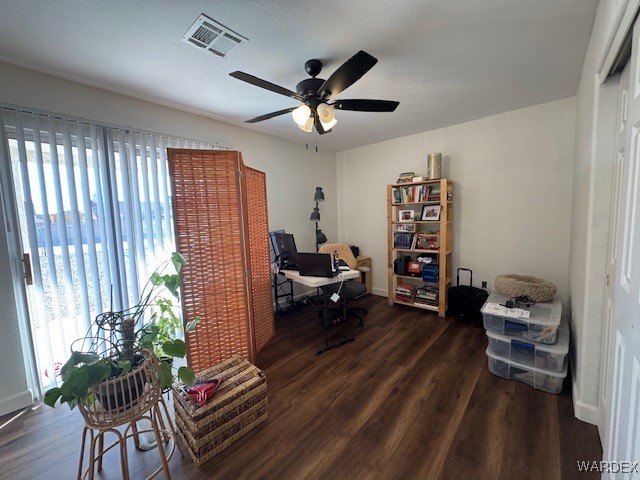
433	202
415	223
435	233
424	306
416	250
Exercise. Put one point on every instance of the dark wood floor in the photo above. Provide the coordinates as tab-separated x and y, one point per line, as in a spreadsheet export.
410	398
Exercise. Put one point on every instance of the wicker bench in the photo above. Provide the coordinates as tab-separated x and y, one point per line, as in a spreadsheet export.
238	406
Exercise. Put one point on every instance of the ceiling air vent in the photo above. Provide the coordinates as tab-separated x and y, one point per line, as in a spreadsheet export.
212	36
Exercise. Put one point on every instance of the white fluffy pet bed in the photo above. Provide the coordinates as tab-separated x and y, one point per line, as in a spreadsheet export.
536	289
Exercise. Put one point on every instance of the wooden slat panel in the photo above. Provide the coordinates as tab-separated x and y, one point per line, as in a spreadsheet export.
209	233
259	262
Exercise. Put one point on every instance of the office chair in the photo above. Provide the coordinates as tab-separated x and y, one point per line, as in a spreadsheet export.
350	289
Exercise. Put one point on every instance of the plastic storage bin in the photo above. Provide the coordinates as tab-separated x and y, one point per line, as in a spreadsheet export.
536	377
541	326
548	357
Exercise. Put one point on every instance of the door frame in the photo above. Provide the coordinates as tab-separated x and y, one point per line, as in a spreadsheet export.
15	257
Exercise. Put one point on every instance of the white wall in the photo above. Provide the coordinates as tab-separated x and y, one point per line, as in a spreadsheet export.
595	115
292	171
512	177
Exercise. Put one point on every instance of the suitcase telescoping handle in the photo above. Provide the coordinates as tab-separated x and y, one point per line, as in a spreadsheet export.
470	275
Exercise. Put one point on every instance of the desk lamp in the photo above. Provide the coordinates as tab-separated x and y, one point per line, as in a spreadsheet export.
315	217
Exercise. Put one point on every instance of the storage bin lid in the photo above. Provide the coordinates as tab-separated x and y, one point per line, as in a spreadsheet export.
529	368
561	347
548	314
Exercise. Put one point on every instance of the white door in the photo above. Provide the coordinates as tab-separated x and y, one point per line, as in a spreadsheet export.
619	158
622	424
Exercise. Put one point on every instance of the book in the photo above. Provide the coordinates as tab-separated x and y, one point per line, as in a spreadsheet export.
402	240
406	287
426	241
406	177
415	193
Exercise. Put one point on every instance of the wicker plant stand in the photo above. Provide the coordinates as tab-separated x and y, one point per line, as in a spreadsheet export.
238	406
125	400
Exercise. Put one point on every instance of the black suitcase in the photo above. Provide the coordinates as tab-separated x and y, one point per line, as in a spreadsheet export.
465	301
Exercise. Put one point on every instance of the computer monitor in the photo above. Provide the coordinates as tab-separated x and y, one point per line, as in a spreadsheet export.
286	248
274	242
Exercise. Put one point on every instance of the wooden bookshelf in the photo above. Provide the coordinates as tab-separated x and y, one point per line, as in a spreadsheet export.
406	197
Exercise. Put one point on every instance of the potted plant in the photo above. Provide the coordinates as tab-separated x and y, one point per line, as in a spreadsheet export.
119	341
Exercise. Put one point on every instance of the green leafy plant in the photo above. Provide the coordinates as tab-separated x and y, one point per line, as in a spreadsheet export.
117	338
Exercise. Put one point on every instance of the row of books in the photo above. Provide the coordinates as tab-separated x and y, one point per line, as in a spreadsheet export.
426	295
405	292
406	177
416	241
426	241
416	194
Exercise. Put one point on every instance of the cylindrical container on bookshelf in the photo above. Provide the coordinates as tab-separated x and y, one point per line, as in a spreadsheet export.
434	166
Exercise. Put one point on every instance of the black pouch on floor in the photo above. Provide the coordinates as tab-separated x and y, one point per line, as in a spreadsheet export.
465	301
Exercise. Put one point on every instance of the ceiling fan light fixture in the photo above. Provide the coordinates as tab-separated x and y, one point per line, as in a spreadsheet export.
328	125
301	115
326	113
307	126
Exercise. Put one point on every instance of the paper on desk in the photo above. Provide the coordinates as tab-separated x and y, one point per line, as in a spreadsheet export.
502	311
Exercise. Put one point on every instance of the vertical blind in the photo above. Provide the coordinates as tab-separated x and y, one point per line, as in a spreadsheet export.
95	216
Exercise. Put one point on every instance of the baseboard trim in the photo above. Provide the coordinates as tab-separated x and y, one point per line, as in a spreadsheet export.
379	291
16	402
583	411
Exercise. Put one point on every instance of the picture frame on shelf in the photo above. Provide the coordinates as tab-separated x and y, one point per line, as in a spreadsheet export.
406	216
406	227
430	213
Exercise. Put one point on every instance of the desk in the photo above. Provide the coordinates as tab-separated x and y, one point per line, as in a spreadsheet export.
318	282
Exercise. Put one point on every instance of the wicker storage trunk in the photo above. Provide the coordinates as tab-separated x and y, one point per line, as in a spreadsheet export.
239	405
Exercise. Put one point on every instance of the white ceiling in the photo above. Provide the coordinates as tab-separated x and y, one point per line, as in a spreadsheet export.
445	61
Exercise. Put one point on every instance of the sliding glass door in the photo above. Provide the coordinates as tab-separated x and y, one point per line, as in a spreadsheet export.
95	216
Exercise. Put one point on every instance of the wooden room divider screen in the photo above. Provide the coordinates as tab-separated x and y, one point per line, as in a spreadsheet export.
221	227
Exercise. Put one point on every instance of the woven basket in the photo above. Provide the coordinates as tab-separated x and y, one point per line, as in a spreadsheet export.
239	405
124	398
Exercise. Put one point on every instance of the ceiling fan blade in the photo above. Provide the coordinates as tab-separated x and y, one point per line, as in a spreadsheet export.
347	74
272	87
366	105
267	116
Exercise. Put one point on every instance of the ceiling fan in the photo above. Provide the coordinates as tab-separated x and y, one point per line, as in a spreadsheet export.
317	94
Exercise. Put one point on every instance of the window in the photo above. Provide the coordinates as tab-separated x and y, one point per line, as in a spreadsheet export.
94	206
